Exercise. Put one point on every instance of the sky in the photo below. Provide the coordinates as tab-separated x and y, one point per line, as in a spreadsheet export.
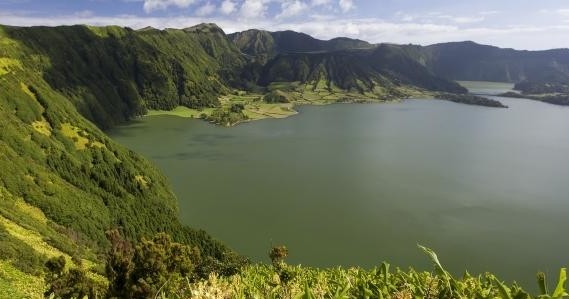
521	24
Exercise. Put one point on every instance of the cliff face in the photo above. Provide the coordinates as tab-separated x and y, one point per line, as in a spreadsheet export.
474	62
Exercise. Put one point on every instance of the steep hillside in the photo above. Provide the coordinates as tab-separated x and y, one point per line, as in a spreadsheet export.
265	44
385	67
475	62
112	74
64	182
469	61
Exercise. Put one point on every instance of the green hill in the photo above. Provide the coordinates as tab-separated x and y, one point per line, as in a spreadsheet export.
261	43
64	182
534	72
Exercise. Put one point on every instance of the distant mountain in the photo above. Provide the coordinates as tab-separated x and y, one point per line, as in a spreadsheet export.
265	44
534	71
355	70
475	62
348	64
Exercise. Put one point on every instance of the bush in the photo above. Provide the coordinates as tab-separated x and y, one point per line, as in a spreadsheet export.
71	284
149	268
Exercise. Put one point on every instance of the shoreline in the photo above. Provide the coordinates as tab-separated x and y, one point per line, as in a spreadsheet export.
252	107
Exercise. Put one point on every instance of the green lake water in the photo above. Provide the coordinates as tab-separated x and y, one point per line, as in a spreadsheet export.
356	184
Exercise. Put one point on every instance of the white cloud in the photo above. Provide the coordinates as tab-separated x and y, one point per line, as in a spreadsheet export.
206	9
153	5
346	5
563	12
85	13
291	8
227	7
462	19
319	2
372	29
251	9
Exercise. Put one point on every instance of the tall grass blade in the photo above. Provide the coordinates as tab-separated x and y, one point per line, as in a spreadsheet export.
433	256
542	283
560	291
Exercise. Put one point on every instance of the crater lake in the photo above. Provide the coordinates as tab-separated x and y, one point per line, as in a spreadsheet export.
357	184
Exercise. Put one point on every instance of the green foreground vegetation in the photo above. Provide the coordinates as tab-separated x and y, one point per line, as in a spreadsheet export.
160	268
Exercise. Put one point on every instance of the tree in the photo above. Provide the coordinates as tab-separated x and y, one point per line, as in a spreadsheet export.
71	284
149	268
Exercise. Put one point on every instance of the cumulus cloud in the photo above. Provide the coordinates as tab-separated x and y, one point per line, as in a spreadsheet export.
319	2
206	9
563	12
85	13
227	7
489	12
370	29
251	9
462	19
292	8
153	5
346	5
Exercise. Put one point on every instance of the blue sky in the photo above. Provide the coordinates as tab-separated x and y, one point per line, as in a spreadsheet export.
518	24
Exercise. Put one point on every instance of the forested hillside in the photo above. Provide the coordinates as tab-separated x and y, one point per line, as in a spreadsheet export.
534	72
112	74
64	182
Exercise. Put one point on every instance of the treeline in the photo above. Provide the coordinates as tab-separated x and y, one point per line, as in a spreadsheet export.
470	99
543	87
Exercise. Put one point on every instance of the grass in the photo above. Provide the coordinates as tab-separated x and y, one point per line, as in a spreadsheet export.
284	281
27	91
42	126
17	284
258	111
31	211
297	93
36	241
181	111
141	180
7	65
32	238
72	132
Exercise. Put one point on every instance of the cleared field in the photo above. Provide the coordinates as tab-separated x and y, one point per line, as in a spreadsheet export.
181	111
292	93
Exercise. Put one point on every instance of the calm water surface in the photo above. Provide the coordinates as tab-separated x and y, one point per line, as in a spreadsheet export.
487	188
